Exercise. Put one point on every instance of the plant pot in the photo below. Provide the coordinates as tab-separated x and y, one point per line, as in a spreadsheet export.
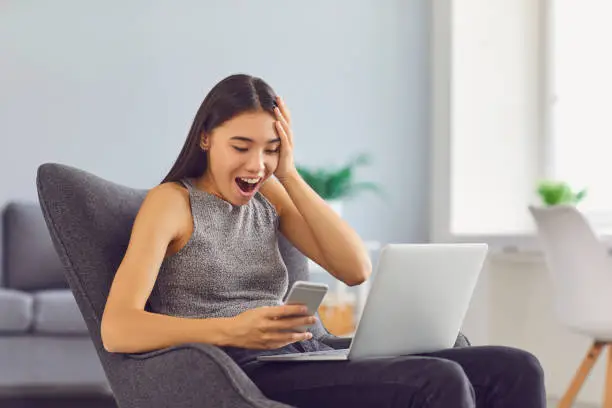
336	205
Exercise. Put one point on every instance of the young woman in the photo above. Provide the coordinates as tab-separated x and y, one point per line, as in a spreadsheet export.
204	252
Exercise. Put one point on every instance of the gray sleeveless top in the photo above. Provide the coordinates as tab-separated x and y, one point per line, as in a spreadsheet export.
230	264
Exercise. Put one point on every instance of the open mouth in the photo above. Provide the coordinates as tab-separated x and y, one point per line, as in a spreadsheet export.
247	185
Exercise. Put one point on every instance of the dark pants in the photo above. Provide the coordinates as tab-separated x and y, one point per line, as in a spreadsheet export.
486	376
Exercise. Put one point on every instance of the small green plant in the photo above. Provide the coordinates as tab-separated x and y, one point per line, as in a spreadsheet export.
334	184
559	193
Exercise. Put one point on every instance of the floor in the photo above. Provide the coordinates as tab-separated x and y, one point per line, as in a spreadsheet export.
551	403
108	403
58	402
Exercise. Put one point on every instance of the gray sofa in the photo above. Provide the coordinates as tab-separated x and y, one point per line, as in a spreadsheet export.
45	347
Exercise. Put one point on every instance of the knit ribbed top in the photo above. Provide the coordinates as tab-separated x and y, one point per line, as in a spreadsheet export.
230	264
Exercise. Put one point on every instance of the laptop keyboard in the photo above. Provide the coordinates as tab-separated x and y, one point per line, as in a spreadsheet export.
325	352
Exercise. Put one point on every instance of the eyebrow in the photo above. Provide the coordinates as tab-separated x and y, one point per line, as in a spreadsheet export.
246	139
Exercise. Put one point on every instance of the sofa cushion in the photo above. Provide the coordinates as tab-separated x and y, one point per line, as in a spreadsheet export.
30	259
48	366
15	311
56	312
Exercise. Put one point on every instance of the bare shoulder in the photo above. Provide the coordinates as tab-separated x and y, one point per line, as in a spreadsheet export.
169	192
166	209
166	198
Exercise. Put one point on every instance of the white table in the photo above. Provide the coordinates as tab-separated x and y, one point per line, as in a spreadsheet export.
340	289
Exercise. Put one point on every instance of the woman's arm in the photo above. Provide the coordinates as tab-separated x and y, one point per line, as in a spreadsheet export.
126	327
314	228
306	219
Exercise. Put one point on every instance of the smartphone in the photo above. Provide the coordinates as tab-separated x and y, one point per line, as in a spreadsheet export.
306	293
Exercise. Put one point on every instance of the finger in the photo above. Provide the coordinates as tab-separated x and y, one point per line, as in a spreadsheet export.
299	337
287	310
293	323
285	123
285	139
284	109
282	118
281	339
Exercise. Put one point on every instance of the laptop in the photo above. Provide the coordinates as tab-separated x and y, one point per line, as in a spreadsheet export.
419	296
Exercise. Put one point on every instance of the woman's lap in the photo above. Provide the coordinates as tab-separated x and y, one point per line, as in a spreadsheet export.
458	376
375	383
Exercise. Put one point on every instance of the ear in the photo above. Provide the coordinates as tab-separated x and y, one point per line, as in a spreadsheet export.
204	141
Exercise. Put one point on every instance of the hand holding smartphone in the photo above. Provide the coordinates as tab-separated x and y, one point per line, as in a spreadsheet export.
306	293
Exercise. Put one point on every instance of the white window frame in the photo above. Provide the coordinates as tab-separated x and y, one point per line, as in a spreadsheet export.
440	61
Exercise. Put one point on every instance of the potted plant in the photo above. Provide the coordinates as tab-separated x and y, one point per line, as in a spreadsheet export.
554	192
337	185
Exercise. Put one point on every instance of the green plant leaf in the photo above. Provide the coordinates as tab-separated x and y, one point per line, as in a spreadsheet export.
337	183
580	196
558	193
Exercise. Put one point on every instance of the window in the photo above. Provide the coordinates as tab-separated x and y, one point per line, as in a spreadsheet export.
518	94
581	110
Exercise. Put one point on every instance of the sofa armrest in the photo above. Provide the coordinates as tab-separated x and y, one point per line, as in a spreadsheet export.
189	376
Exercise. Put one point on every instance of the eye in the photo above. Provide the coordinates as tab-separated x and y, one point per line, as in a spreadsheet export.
274	150
240	149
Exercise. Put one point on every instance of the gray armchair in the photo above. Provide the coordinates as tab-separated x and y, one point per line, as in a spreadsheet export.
90	221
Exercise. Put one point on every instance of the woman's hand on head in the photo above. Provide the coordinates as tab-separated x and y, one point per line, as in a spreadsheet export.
270	327
286	165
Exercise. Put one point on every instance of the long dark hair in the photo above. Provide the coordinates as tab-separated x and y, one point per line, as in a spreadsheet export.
230	97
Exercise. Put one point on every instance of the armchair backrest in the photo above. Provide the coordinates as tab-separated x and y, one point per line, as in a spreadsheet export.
578	262
90	221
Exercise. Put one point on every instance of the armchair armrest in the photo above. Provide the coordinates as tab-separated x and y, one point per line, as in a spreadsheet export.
336	342
188	376
345	342
462	341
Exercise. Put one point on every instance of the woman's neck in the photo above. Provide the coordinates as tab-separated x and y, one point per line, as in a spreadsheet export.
204	183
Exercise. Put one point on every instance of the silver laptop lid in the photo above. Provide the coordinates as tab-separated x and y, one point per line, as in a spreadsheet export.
419	297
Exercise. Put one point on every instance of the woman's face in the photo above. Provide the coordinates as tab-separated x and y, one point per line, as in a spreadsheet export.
242	153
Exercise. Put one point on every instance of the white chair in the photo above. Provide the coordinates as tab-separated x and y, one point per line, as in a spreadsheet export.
581	273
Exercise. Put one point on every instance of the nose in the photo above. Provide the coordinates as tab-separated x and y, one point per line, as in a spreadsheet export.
255	163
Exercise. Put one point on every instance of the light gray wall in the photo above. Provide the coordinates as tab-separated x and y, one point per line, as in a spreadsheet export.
112	87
